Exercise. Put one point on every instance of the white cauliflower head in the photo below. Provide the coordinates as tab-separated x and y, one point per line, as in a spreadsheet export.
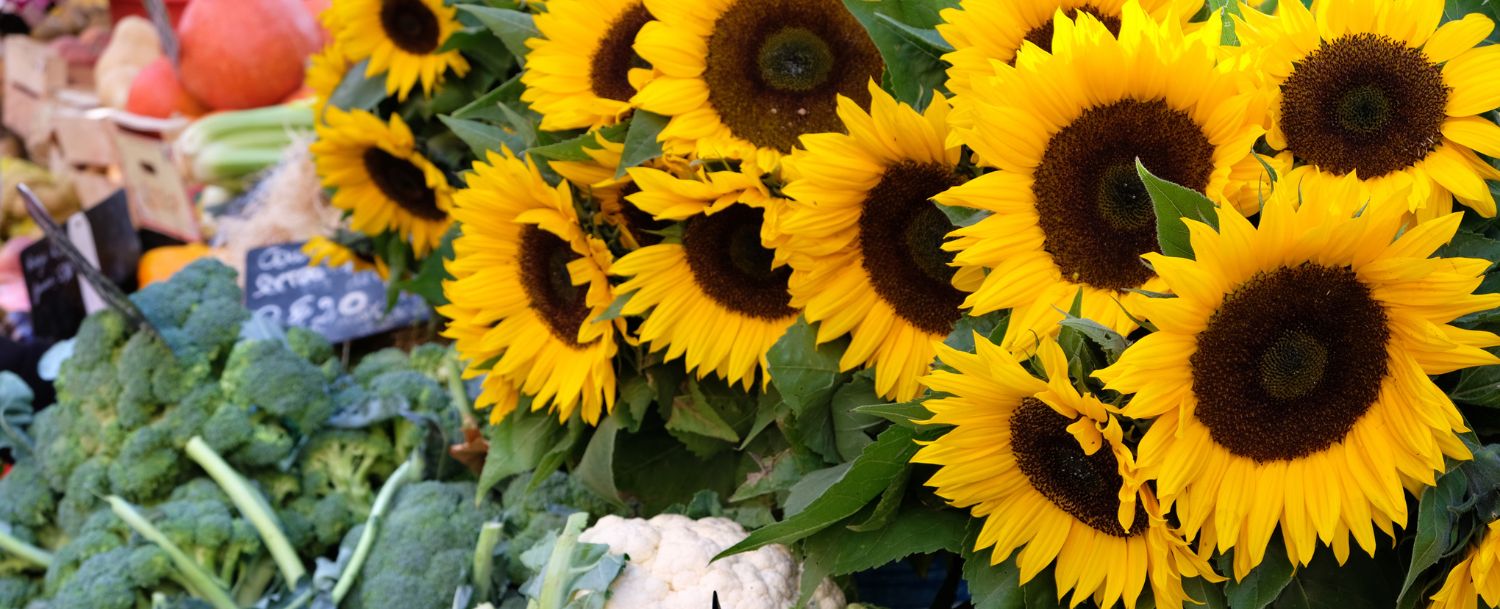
669	566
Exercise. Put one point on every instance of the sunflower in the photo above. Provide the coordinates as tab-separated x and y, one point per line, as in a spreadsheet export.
381	177
742	79
1474	577
325	70
1045	467
864	239
528	284
714	298
582	71
1294	360
1070	212
322	251
596	178
401	39
983	31
1375	89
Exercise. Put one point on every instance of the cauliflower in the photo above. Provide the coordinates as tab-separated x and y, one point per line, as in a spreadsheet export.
669	566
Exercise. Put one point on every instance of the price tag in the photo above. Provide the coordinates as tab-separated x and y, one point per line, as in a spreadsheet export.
338	303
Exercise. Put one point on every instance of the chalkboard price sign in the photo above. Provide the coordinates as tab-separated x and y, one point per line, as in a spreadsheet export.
338	303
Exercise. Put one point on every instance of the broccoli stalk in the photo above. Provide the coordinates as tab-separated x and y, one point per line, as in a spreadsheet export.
25	551
484	558
198	581
410	470
252	505
558	576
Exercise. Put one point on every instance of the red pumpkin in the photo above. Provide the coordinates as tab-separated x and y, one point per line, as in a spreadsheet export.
238	54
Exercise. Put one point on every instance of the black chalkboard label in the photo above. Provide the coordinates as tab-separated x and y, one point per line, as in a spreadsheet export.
338	303
55	269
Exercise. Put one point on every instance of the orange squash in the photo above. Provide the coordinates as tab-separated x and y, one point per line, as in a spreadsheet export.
156	92
238	54
161	263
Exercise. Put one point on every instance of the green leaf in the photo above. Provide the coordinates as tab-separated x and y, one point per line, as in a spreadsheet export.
1109	340
805	373
1226	8
1203	591
641	143
694	414
1362	581
356	91
656	469
777	474
487	106
1435	526
557	454
840	551
482	48
913	69
1264	583
905	414
512	27
1479	386
868	475
812	486
885	509
517	444
613	311
596	470
576	148
990	325
637	396
998	586
925	38
481	137
850	428
1173	203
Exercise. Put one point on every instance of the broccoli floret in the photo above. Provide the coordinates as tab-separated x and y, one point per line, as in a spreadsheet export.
120	578
380	362
347	462
68	434
25	498
148	466
430	359
102	532
143	358
530	515
423	549
80	500
89	374
309	345
198	312
199	519
268	376
16	591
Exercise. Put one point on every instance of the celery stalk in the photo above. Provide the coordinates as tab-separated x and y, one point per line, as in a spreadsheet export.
25	551
253	506
285	117
203	585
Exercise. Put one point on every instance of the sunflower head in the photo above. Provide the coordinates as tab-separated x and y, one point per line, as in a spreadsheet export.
743	79
528	285
1045	467
1475	577
582	70
401	39
720	275
864	238
1069	211
322	251
1295	360
325	70
596	178
381	179
1377	90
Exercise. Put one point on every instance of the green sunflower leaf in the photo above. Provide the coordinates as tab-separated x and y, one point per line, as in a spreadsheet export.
927	38
356	91
487	106
868	475
596	469
1435	530
1265	582
693	413
913	69
840	551
1173	203
512	27
998	586
804	372
641	143
481	137
851	429
905	414
1203	591
518	444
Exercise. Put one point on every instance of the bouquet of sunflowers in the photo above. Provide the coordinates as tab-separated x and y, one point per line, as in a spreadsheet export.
1110	301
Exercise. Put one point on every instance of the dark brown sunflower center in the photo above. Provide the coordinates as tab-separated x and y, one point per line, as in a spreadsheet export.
776	67
549	286
1289	362
1363	103
1042	34
1085	486
1094	211
615	56
901	236
410	25
403	183
732	268
642	226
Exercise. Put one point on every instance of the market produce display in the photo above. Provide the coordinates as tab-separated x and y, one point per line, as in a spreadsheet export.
789	304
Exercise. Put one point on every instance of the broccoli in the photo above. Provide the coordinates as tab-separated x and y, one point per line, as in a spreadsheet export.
423	550
119	578
16	591
25	498
340	470
199	519
102	532
268	376
80	499
198	312
148	466
529	516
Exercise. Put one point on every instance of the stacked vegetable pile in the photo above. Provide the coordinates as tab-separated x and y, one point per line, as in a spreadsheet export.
209	457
